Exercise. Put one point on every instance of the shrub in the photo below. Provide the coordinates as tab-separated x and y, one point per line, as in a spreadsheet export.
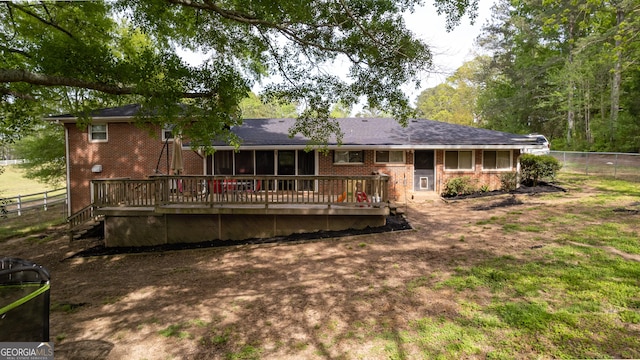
508	181
462	185
535	168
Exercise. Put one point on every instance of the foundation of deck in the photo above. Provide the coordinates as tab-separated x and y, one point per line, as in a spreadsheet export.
139	226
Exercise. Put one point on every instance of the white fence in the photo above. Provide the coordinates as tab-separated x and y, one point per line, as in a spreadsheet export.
624	166
11	162
42	201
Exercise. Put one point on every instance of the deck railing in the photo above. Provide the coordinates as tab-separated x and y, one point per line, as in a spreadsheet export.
240	190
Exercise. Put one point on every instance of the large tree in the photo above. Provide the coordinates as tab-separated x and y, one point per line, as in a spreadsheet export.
565	68
127	51
43	152
454	101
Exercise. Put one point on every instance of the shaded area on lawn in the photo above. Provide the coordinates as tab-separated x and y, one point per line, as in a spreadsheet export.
393	223
510	201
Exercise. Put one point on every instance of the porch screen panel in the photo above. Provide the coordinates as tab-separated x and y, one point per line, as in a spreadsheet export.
265	162
266	165
244	163
306	166
223	162
286	166
286	162
306	163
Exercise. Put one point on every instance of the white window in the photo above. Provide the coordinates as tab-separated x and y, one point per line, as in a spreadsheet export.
346	157
98	133
496	160
167	133
458	160
392	156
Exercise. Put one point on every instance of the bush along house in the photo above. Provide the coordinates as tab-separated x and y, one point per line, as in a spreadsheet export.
154	190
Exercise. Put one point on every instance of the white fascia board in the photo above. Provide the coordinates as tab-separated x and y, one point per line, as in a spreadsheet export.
103	119
376	147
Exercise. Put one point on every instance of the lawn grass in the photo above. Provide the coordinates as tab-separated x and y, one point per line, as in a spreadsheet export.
571	302
558	301
13	183
32	222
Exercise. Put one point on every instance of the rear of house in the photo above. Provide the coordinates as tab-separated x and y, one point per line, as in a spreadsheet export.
421	157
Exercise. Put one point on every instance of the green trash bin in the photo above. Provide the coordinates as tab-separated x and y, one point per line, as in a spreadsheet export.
24	301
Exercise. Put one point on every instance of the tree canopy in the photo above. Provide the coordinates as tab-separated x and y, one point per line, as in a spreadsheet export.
75	56
568	69
43	152
454	101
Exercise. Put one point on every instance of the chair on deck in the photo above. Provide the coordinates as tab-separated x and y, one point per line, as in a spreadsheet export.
361	196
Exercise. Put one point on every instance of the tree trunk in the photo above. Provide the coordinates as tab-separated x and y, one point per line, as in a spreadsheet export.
617	78
571	122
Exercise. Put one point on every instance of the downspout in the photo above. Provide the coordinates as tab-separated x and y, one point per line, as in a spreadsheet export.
518	168
66	150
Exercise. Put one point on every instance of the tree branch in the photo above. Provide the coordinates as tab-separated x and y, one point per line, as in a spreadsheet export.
13	75
251	20
34	15
15	51
4	91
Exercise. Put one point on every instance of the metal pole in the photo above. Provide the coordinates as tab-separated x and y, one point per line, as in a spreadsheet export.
19	206
586	170
45	201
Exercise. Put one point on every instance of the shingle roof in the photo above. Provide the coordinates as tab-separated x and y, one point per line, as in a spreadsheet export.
376	132
120	111
362	132
126	111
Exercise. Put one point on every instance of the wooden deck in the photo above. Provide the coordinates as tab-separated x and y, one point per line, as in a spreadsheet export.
243	194
181	209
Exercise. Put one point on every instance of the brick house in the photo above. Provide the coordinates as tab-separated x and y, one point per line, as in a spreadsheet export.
421	157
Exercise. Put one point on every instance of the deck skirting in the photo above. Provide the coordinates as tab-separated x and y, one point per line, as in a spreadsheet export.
145	227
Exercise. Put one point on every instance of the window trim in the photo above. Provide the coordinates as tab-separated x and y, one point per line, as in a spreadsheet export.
349	157
510	168
106	133
402	162
473	161
165	129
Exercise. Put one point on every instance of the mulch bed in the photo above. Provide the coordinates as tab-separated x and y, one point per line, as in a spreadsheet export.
541	188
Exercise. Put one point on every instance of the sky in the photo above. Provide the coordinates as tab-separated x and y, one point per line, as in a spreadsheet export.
450	49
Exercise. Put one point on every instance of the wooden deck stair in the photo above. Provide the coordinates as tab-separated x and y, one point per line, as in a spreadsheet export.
91	228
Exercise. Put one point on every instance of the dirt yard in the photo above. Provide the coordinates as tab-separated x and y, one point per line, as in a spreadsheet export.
295	300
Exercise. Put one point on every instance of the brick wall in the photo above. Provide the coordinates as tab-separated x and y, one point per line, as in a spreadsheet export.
400	175
491	178
129	152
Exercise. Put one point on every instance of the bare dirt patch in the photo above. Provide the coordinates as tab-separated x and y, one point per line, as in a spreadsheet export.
312	299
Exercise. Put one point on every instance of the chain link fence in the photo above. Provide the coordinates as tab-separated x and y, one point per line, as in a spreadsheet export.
625	166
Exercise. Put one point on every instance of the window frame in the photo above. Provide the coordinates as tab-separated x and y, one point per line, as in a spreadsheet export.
165	129
473	161
348	162
389	161
509	168
105	132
